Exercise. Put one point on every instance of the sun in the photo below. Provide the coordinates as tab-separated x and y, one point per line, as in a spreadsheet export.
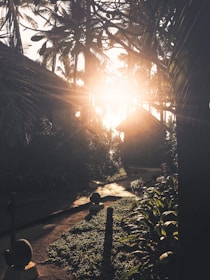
115	103
116	97
120	95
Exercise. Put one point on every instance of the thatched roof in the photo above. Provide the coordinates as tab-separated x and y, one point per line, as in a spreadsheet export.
17	72
141	121
23	84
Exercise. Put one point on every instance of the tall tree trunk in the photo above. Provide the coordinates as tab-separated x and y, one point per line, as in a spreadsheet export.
193	137
87	53
87	46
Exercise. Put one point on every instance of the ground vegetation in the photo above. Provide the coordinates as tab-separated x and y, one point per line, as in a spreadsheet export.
144	238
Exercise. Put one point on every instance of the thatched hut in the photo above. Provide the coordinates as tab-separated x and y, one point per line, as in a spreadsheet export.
29	91
143	139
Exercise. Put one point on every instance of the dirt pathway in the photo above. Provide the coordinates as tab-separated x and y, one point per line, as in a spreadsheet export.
41	235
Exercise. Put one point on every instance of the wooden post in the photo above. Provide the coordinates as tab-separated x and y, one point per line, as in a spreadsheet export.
108	235
107	269
11	210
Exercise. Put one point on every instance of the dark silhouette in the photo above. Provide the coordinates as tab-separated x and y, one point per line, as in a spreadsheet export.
20	265
107	269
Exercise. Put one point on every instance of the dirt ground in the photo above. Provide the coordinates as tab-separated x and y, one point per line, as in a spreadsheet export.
55	228
42	235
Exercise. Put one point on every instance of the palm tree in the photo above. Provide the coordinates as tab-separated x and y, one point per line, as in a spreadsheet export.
72	31
10	25
189	69
145	31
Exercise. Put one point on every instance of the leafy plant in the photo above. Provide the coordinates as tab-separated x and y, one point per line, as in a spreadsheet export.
153	234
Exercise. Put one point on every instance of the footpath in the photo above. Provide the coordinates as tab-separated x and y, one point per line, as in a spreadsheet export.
40	235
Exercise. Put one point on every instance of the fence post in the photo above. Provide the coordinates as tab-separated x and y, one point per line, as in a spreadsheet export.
11	210
107	269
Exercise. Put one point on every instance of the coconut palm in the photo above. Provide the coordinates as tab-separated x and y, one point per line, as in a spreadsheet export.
9	25
146	33
73	31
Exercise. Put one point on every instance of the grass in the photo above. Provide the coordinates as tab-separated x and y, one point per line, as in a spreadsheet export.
81	248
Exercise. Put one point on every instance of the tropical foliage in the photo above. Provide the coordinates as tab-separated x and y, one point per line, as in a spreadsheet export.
144	239
9	25
144	29
153	230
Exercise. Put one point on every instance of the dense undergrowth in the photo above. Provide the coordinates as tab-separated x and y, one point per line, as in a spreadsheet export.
144	238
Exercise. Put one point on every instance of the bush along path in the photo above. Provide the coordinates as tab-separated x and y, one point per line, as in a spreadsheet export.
142	238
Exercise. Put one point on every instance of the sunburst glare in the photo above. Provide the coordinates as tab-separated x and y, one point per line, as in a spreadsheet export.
116	103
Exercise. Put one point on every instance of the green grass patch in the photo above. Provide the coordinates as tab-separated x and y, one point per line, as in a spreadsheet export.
81	248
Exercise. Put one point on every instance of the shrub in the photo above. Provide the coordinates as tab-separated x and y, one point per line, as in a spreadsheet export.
152	227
